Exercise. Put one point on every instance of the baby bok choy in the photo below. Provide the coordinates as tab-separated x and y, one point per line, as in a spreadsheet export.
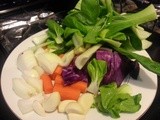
113	100
96	70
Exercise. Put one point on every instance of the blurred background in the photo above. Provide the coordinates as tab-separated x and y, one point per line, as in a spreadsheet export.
20	19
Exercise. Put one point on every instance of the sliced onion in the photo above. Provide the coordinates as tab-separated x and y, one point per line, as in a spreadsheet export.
22	89
26	60
47	63
25	105
37	107
39	70
32	73
34	82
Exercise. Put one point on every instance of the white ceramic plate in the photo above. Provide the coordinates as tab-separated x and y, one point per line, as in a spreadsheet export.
146	85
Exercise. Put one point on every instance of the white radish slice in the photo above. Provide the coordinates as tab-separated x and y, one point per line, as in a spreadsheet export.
74	107
86	100
74	116
51	103
37	107
63	104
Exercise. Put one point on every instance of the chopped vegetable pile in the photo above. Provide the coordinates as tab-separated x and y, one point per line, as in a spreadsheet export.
81	62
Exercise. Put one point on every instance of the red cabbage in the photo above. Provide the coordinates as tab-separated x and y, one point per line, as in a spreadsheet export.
72	74
119	66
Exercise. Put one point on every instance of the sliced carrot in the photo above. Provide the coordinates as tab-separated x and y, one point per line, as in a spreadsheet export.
59	80
80	85
53	76
47	83
58	87
58	70
67	92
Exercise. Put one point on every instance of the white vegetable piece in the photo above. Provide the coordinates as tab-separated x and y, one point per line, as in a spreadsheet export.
74	107
48	61
82	59
86	100
146	44
32	77
22	89
51	103
32	73
39	51
25	105
63	104
37	107
26	60
53	57
39	70
34	82
74	116
67	58
141	33
40	39
46	64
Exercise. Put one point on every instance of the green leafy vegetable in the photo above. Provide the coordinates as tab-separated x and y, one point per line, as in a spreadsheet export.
77	39
96	69
91	9
113	100
98	19
119	36
100	23
134	39
55	31
144	61
56	48
94	22
91	37
148	14
72	21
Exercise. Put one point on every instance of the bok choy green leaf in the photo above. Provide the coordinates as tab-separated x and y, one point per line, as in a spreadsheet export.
96	69
113	100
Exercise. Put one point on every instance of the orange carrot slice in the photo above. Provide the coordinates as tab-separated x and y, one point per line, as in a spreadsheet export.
47	83
59	80
80	85
67	92
57	71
